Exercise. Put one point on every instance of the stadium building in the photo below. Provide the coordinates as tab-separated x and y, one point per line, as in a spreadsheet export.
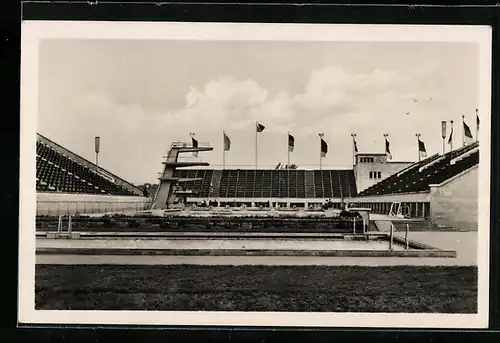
439	191
67	184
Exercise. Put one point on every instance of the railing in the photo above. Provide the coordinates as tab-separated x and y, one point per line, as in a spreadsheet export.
58	208
181	158
391	236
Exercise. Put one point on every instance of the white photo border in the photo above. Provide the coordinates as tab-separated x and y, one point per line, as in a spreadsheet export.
34	31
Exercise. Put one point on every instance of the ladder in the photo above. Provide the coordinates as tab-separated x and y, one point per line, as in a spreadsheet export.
60	228
400	210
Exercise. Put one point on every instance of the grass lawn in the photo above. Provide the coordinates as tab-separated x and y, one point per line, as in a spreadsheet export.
257	288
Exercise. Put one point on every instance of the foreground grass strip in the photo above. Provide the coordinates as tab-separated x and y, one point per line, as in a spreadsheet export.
257	288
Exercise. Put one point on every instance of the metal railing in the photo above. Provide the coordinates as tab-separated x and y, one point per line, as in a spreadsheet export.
391	236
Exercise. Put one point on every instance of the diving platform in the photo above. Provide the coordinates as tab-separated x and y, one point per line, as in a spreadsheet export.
168	193
194	149
181	164
186	192
179	179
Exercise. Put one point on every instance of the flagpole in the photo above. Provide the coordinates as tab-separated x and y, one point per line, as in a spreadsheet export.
353	135
223	150
256	145
451	135
418	145
443	134
463	130
288	149
320	151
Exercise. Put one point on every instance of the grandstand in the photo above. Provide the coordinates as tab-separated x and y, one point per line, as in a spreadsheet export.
441	189
433	170
426	190
271	183
68	181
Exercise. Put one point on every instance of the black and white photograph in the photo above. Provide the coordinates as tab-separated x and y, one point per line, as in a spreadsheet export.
255	174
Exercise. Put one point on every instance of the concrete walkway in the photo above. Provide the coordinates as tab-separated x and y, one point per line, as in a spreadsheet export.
226	244
465	243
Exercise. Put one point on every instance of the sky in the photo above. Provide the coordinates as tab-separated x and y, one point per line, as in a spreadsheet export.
140	96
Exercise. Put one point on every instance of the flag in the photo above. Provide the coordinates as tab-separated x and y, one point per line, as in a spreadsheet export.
291	143
227	143
324	148
260	127
421	149
450	140
387	149
195	145
355	146
467	134
443	129
477	119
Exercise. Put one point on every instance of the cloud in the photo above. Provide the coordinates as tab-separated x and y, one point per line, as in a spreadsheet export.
330	94
332	100
219	100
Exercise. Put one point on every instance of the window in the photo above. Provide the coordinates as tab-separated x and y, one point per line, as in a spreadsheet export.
371	175
375	175
379	175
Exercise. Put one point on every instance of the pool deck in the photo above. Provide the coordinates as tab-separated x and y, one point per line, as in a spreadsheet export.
464	243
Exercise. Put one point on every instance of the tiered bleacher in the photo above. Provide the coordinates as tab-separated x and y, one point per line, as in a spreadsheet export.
242	183
433	170
56	172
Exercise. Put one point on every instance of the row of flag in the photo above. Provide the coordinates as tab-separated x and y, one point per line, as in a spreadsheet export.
291	141
466	129
422	152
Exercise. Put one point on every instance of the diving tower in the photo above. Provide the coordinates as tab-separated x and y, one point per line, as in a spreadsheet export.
169	190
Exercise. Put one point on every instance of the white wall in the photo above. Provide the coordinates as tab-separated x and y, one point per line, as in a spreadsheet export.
64	203
386	169
455	202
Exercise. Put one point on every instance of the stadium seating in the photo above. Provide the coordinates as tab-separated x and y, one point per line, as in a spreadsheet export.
433	170
56	172
198	187
242	183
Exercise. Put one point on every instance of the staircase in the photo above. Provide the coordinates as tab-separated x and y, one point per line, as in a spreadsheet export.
301	184
309	184
214	190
